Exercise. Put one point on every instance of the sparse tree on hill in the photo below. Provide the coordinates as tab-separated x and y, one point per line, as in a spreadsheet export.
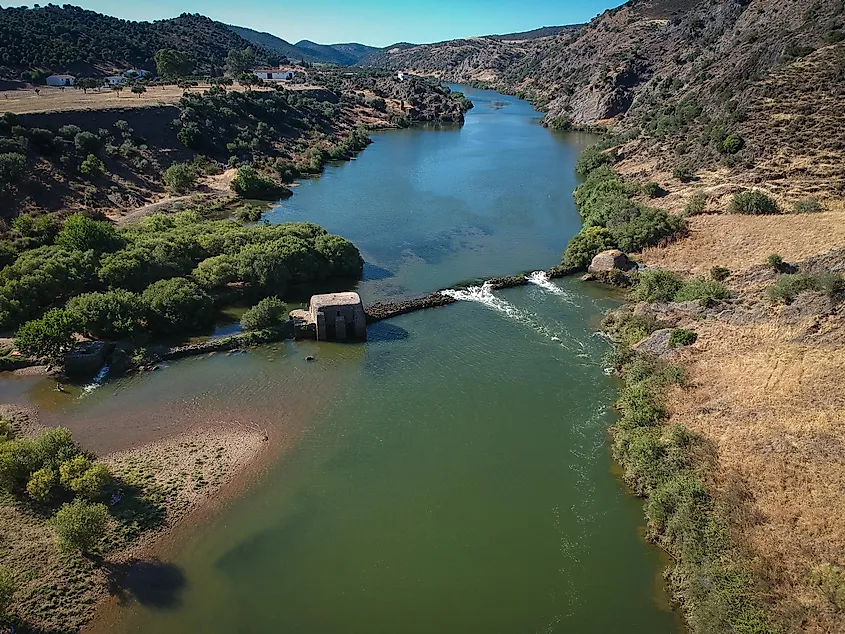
118	88
139	89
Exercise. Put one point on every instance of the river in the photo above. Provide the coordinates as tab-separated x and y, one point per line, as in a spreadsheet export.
451	474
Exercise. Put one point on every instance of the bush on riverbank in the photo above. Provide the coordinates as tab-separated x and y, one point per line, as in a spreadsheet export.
604	200
270	312
709	574
50	468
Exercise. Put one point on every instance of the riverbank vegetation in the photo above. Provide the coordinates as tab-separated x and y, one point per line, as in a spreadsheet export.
666	464
163	276
610	215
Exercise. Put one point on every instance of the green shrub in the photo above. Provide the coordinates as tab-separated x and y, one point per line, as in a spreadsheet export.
720	273
216	272
80	525
248	213
775	261
270	312
343	257
732	144
248	183
753	202
830	580
81	476
807	206
628	328
377	103
697	204
585	245
592	158
180	177
6	431
92	166
111	315
12	168
787	287
47	337
704	291
648	228
683	173
87	143
656	285
682	337
69	132
41	484
654	190
177	305
81	233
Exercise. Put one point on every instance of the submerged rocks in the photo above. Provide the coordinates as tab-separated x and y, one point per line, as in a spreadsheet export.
612	259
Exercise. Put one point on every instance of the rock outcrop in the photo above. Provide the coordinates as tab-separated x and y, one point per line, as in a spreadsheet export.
612	259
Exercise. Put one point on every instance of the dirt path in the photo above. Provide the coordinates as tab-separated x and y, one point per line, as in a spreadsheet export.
217	186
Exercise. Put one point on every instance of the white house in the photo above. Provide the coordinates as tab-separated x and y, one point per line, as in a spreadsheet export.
61	80
114	80
274	74
401	76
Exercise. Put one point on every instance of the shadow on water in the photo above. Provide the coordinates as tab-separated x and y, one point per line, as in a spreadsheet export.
373	273
383	331
152	583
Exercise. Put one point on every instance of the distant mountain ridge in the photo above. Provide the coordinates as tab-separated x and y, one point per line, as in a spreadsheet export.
340	54
346	54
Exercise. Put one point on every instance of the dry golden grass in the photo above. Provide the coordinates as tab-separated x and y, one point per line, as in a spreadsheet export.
739	242
775	413
52	99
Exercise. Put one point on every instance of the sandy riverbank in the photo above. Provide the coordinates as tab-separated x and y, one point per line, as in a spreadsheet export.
171	478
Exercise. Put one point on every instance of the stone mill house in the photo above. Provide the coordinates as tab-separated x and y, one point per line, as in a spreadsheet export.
333	317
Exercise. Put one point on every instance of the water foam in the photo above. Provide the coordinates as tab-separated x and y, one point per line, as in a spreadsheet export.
98	380
541	279
484	295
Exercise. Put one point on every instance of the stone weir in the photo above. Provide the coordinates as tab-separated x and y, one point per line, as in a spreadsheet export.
386	310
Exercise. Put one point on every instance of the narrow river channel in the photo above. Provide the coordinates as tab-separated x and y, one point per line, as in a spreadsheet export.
452	474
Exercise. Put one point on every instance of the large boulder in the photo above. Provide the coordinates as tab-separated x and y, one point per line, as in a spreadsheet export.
657	343
612	259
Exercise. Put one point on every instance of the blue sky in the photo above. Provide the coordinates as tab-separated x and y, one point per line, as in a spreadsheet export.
374	22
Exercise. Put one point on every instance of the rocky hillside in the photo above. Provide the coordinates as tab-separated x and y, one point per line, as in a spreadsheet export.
688	74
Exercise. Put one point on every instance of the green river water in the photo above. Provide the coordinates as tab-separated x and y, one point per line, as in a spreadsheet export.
450	475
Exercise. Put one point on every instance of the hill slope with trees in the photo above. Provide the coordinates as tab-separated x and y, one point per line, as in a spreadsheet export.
66	38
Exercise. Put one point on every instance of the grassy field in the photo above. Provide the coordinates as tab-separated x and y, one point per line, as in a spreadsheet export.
52	99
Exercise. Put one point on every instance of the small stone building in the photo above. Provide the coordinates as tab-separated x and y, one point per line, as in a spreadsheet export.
334	317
